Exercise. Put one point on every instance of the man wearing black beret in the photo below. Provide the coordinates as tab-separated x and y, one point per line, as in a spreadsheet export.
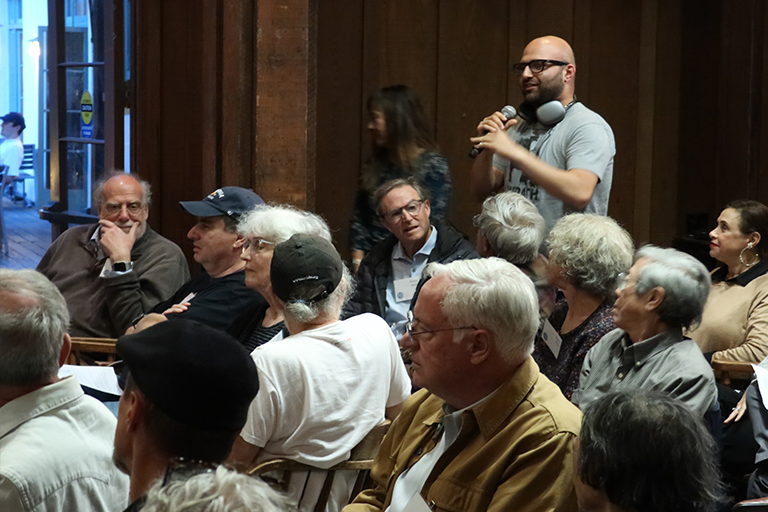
186	396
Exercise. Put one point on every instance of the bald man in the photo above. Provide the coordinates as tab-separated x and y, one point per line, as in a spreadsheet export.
112	272
556	152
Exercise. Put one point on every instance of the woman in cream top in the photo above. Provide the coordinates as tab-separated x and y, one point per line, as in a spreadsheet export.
735	320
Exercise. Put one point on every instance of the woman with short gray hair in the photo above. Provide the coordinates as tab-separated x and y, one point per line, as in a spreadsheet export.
587	252
264	227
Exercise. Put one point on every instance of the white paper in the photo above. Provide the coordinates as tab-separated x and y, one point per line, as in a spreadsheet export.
551	337
762	382
101	378
417	504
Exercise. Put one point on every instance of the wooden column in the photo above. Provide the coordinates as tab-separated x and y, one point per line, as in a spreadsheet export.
284	107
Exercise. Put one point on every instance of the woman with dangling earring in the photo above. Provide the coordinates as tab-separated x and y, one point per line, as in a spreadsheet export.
734	324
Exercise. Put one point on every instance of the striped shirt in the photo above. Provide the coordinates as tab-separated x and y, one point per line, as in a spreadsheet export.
667	362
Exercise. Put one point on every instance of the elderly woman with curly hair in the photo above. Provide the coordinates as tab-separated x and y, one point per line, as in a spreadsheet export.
587	253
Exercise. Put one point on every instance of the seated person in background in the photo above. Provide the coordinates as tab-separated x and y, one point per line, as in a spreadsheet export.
510	227
219	294
389	274
112	272
587	252
186	395
326	385
55	442
261	229
487	431
664	293
734	324
11	150
214	489
642	451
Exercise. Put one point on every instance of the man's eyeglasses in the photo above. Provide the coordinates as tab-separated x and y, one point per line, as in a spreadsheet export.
255	244
536	65
395	215
412	333
133	208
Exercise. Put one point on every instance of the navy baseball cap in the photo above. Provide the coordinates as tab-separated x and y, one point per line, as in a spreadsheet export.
230	201
15	118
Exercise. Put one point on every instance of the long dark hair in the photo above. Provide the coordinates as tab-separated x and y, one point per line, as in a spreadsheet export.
408	132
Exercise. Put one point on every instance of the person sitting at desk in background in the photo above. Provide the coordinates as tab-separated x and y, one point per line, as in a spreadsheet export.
261	229
587	253
11	150
219	294
114	271
734	324
663	294
403	146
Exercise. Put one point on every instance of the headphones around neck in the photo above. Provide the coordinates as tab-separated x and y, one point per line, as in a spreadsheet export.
548	114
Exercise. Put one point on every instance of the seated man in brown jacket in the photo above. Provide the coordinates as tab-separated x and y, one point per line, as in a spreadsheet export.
488	431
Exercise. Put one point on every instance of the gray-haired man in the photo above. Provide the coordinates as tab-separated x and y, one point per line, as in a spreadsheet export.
55	442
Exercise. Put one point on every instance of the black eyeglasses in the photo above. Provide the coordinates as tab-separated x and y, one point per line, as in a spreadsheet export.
536	65
411	333
396	214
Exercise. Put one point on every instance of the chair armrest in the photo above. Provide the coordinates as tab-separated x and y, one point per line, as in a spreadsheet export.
731	366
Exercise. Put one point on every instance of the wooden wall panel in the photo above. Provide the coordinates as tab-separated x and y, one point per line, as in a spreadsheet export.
286	101
699	107
473	43
664	222
613	93
400	47
237	123
339	113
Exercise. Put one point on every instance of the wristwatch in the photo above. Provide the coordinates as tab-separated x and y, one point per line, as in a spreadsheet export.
122	266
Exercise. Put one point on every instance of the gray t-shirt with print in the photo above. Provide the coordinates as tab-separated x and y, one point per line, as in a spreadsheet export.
582	140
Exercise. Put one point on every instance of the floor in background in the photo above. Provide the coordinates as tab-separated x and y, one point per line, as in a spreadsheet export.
28	236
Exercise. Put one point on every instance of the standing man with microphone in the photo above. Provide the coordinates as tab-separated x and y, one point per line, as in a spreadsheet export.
556	152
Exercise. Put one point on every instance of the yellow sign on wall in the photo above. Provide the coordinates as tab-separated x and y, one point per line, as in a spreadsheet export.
86	116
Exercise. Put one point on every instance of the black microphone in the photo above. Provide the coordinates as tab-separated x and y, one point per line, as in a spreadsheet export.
509	112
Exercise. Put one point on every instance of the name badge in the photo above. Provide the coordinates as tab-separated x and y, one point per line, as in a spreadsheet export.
405	288
551	338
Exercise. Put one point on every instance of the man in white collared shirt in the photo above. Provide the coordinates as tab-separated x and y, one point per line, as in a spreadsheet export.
55	442
389	274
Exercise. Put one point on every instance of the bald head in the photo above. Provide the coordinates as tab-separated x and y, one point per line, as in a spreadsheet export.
555	82
553	47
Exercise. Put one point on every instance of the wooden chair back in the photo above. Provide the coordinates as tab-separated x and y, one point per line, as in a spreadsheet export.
360	460
727	370
81	346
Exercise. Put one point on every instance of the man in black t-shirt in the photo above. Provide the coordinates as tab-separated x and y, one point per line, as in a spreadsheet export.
219	294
